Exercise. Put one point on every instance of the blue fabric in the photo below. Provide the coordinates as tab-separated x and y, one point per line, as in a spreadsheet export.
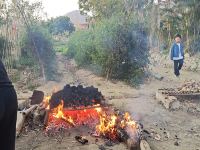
175	50
177	66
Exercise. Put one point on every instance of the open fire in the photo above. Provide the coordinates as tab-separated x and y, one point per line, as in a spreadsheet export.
101	119
79	108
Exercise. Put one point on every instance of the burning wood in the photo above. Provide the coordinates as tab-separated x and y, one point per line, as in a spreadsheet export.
88	109
37	97
46	118
106	123
38	115
76	96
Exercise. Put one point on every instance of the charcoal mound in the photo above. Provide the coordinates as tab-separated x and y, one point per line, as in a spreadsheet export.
76	96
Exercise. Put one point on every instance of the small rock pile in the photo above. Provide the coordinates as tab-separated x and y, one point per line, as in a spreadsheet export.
190	87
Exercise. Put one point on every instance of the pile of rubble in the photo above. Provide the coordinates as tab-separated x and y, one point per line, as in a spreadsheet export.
184	97
190	87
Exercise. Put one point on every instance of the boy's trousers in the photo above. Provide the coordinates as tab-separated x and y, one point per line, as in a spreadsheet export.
177	66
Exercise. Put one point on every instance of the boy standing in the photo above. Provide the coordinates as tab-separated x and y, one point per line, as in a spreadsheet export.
177	54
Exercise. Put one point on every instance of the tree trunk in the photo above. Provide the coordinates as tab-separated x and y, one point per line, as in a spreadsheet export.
33	42
187	35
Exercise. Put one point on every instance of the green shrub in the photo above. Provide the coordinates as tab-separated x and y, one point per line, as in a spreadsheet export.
43	45
80	47
195	46
117	47
62	49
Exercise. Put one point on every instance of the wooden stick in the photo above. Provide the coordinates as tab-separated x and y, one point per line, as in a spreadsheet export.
23	104
19	123
23	98
37	114
21	116
46	118
72	124
27	111
85	108
144	145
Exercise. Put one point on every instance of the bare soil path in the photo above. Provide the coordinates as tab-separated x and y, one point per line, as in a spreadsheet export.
174	130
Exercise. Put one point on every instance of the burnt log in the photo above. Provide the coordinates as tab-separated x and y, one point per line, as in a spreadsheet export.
23	104
122	134
77	96
46	118
37	97
38	116
133	144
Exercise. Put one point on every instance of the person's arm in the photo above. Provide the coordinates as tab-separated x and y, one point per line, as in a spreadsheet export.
3	74
172	52
183	52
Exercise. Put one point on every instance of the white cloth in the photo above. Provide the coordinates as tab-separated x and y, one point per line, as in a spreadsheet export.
179	56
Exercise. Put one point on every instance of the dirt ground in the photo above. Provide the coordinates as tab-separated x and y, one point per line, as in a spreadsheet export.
175	130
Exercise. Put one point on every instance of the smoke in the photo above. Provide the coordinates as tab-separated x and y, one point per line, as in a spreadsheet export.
133	133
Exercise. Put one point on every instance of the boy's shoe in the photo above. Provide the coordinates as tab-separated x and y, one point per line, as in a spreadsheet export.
178	78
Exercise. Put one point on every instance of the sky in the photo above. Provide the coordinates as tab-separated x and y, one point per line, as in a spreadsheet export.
55	8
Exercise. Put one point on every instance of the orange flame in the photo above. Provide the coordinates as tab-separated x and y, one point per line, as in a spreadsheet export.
105	123
58	113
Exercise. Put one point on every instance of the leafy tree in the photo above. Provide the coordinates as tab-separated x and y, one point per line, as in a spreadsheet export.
107	8
2	42
60	25
22	21
117	42
43	43
176	16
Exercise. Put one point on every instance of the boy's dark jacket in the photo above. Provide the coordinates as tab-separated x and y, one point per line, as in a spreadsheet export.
175	50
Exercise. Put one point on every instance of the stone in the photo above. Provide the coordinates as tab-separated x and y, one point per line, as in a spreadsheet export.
175	105
194	66
176	143
169	102
157	76
187	55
